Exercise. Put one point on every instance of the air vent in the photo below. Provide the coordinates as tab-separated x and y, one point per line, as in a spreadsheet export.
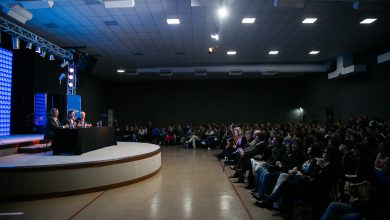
235	72
138	54
166	72
51	25
111	23
200	72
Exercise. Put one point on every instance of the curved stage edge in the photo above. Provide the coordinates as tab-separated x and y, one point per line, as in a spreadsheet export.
35	176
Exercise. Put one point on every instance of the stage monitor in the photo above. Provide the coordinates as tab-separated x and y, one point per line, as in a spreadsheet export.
5	91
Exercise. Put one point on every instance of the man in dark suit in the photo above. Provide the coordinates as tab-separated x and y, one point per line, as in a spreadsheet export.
52	123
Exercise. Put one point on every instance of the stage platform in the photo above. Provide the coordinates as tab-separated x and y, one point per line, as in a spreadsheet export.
28	176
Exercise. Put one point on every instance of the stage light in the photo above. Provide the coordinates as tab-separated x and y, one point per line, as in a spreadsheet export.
70	84
15	43
29	45
215	36
64	64
43	54
37	50
222	12
51	57
211	50
71	70
70	76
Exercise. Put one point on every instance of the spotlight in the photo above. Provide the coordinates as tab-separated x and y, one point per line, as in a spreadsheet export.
211	50
15	43
215	36
222	12
64	64
38	50
70	76
43	54
71	70
29	45
70	84
51	57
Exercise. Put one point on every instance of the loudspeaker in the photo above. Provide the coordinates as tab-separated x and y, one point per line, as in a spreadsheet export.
86	64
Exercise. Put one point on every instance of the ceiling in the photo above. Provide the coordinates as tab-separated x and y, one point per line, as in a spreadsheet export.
139	37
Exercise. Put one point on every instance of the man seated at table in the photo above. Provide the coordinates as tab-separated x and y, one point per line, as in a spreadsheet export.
52	123
81	122
69	121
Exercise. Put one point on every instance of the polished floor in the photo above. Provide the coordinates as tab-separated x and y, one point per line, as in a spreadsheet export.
190	185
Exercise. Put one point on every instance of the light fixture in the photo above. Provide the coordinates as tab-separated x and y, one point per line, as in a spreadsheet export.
64	64
51	57
18	13
43	54
248	20
120	70
300	109
215	36
222	12
37	50
15	43
309	20
173	21
368	21
70	84
231	52
29	45
273	52
71	70
70	77
314	52
211	50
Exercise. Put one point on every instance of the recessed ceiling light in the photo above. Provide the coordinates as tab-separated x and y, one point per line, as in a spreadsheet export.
248	20
273	52
314	52
309	20
368	21
173	21
222	12
231	52
120	70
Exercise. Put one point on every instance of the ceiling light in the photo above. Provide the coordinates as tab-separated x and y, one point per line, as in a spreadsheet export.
29	45
248	20
231	52
309	20
273	52
223	12
211	50
51	57
314	52
368	21
173	21
215	36
120	70
37	50
15	43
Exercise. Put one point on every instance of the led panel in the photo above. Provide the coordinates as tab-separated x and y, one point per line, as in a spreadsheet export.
5	91
40	109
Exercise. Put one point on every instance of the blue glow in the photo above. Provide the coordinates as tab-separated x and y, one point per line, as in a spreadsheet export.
40	109
5	91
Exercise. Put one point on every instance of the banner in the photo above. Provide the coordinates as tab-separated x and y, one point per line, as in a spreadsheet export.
73	102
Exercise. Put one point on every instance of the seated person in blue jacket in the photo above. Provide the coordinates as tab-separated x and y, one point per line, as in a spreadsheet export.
81	122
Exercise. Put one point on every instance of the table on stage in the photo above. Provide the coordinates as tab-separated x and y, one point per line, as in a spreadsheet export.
82	140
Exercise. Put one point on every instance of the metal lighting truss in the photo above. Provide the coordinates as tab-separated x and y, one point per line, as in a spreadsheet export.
28	36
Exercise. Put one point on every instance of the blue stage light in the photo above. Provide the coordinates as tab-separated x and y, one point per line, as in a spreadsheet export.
5	91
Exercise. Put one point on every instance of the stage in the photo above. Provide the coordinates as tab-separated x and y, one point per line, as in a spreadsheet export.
24	176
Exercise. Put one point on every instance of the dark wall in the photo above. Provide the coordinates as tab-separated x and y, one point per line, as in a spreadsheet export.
354	95
164	102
